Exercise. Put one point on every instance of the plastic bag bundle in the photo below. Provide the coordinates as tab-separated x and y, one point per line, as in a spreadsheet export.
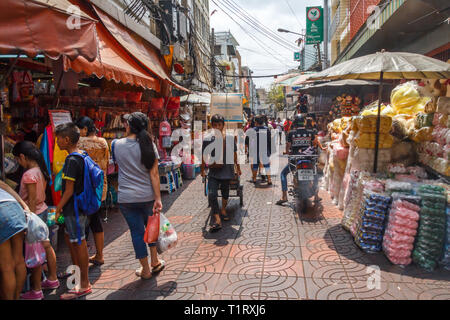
34	254
370	225
401	228
368	124
398	186
37	229
422	134
354	202
445	261
424	120
441	135
406	99
440	119
417	171
367	140
167	235
432	227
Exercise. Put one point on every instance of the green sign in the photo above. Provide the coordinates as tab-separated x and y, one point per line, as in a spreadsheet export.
296	56
314	25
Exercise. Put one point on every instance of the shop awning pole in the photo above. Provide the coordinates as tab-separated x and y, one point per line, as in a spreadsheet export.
58	85
377	134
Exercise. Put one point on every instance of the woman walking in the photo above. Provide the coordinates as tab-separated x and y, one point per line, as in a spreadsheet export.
139	191
97	148
12	233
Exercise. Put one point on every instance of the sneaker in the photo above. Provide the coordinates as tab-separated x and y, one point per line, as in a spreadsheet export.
32	295
50	285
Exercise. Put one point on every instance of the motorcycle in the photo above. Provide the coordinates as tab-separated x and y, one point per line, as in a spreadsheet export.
305	177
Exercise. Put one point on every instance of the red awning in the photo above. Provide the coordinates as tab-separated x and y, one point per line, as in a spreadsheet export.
113	63
142	51
34	27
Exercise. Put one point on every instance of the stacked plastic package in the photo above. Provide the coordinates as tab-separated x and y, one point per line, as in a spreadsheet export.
445	262
432	226
370	227
398	240
435	150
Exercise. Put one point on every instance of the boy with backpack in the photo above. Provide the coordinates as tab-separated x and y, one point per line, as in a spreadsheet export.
82	181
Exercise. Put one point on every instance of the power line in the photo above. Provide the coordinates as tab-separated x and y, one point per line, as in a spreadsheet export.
293	13
250	35
255	24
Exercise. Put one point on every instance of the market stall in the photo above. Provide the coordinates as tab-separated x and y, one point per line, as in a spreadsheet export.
402	209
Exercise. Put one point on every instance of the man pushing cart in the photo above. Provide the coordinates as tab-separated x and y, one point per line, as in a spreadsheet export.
223	175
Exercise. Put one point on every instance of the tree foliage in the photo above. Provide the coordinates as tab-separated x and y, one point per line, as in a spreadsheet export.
276	96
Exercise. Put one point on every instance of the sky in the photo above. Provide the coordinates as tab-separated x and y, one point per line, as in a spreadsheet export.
273	14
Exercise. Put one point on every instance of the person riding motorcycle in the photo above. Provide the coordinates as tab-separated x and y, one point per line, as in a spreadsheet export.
300	139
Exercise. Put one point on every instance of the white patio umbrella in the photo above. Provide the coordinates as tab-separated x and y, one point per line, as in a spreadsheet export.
386	65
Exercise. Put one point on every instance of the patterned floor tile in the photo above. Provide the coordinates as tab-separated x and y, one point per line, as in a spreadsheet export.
325	270
247	253
328	289
283	252
328	255
283	287
213	250
240	266
283	268
239	285
204	263
197	282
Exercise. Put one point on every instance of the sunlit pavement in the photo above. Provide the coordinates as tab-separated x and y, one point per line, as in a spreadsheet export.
264	252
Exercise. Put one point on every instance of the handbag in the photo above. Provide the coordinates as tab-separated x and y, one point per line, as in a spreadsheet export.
152	230
37	229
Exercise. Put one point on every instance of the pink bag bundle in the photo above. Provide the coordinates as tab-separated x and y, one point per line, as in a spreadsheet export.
397	253
398	223
398	204
400	261
399	237
395	245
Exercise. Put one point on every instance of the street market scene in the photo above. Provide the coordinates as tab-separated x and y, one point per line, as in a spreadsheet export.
224	150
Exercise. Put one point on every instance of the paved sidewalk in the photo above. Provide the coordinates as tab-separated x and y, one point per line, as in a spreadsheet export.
264	252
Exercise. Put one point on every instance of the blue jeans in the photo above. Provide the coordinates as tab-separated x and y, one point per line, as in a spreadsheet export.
283	177
136	215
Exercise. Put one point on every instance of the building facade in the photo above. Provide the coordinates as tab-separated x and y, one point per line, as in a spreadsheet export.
180	24
360	27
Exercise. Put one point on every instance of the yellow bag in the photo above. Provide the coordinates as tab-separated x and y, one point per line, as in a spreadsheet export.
367	141
406	99
59	157
368	124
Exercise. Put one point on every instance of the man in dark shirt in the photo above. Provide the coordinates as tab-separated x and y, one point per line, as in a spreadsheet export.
299	139
219	174
262	132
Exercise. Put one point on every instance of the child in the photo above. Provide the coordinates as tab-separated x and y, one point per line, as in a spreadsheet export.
32	191
67	136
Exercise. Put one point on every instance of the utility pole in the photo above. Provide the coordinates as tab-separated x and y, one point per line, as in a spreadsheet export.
318	54
213	64
325	34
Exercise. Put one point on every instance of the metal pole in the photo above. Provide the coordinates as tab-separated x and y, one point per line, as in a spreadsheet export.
213	65
325	34
377	134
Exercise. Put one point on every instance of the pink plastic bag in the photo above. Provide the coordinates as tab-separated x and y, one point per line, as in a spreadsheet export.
400	261
399	223
405	204
396	236
34	254
394	245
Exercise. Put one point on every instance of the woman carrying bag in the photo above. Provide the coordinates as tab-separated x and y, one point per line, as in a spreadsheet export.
139	194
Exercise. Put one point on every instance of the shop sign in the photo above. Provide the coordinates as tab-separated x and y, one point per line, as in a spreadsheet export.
314	25
228	105
296	56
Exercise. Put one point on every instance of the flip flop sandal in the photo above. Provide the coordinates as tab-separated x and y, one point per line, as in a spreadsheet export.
96	262
63	275
280	202
215	227
139	274
74	294
160	267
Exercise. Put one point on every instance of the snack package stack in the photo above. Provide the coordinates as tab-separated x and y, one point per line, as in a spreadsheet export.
398	240
363	159
369	184
350	193
370	226
432	226
445	261
392	186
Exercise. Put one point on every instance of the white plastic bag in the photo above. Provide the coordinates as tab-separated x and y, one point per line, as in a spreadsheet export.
37	229
34	254
167	235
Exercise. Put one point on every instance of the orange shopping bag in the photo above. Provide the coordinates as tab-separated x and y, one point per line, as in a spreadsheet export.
152	230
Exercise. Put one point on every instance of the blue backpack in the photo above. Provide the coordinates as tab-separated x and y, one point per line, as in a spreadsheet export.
89	200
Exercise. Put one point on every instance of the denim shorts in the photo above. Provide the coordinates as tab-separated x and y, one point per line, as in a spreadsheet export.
71	227
136	215
255	166
12	220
